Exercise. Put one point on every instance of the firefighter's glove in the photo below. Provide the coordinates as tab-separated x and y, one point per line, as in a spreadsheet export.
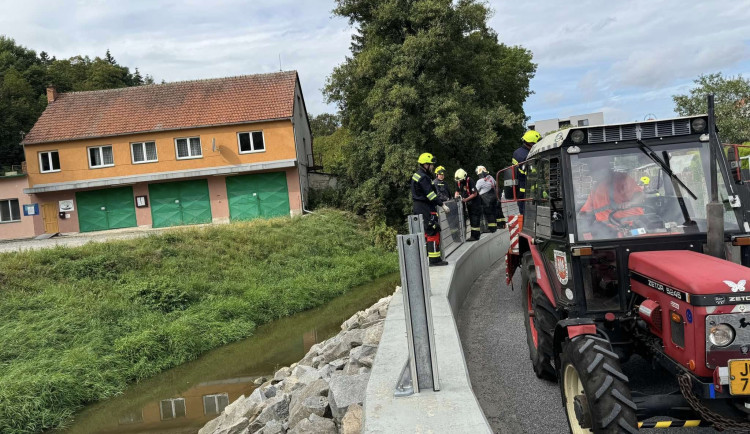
446	209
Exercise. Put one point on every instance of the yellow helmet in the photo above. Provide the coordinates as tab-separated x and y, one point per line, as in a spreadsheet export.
531	136
480	169
439	170
426	158
645	180
460	175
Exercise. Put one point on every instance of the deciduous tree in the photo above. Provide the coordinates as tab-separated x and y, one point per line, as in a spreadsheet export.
424	76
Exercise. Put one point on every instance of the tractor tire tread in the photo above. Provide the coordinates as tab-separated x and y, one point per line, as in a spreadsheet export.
604	385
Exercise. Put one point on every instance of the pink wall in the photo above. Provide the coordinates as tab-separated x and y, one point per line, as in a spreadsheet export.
66	225
295	198
12	188
217	191
142	215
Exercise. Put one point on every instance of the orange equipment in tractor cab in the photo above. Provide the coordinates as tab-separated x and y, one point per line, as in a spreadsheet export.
636	240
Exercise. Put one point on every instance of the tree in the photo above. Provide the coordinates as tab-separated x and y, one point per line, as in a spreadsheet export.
731	104
24	77
424	76
324	124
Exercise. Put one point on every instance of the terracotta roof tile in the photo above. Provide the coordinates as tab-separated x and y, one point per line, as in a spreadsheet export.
170	106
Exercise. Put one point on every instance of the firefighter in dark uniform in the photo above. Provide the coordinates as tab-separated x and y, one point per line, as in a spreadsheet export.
441	187
425	201
468	192
519	156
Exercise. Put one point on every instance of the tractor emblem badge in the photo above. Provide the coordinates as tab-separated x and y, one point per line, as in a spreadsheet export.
561	266
735	287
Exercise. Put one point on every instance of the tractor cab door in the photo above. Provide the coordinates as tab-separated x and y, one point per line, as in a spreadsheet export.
544	219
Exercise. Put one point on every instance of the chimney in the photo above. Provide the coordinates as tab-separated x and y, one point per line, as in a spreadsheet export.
51	94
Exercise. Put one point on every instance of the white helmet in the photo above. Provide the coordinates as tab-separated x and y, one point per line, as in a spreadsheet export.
481	169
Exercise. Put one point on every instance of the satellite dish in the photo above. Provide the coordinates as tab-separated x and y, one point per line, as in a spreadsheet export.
649	117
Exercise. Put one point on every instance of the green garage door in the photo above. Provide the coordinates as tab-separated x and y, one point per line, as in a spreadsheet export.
180	203
261	195
112	208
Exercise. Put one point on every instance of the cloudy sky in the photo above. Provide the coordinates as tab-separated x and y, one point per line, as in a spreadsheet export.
625	58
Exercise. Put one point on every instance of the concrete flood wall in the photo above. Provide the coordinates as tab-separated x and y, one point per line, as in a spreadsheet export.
454	409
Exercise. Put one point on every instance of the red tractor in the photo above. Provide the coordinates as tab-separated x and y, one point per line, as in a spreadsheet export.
635	240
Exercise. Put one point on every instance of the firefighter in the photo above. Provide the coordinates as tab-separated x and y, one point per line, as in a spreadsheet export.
425	200
529	139
467	190
441	187
486	187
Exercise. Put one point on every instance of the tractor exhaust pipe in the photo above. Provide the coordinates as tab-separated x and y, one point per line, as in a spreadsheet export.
714	209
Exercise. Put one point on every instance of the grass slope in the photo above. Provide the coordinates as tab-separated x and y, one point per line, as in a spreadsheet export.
78	324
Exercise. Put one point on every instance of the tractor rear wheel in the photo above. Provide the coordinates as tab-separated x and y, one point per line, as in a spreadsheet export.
540	319
595	392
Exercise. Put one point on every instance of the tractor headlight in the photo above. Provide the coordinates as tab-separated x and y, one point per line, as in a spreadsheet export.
721	335
577	136
699	125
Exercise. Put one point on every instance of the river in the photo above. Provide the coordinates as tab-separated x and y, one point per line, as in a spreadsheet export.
183	399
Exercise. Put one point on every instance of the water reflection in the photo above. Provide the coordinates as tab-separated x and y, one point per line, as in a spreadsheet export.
182	400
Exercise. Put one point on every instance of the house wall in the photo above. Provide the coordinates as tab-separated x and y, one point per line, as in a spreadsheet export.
68	224
303	142
74	164
29	226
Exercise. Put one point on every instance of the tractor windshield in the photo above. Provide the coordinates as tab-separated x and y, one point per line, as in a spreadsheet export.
623	193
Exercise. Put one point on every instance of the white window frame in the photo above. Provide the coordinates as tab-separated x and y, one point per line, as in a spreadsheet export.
143	146
215	398
252	145
172	404
101	156
20	212
190	157
49	159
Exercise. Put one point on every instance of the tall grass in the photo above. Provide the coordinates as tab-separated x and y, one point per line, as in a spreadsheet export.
78	324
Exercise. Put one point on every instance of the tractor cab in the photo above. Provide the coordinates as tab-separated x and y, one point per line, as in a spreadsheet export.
635	240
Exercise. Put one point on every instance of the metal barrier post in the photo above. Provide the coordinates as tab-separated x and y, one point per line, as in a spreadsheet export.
420	372
416	223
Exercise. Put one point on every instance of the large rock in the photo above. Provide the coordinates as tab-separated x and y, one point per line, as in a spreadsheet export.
272	427
312	405
352	421
236	427
276	408
314	425
340	345
364	355
346	390
282	373
316	388
373	334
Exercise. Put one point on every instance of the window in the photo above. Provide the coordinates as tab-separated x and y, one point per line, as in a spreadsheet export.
189	147
583	123
101	156
251	142
9	211
215	404
49	161
143	152
172	408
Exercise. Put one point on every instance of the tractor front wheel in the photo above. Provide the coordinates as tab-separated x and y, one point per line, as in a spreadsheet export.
540	318
595	392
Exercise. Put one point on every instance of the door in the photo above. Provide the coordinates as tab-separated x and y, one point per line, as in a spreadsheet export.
49	216
259	195
100	210
180	203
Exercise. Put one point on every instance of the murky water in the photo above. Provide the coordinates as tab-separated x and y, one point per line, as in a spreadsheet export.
183	399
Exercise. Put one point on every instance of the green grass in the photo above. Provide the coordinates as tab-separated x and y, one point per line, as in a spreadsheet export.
79	324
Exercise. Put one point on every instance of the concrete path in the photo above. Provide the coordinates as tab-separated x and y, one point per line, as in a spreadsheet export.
493	337
78	239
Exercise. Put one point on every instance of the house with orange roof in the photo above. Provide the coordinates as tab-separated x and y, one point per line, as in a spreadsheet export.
191	152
